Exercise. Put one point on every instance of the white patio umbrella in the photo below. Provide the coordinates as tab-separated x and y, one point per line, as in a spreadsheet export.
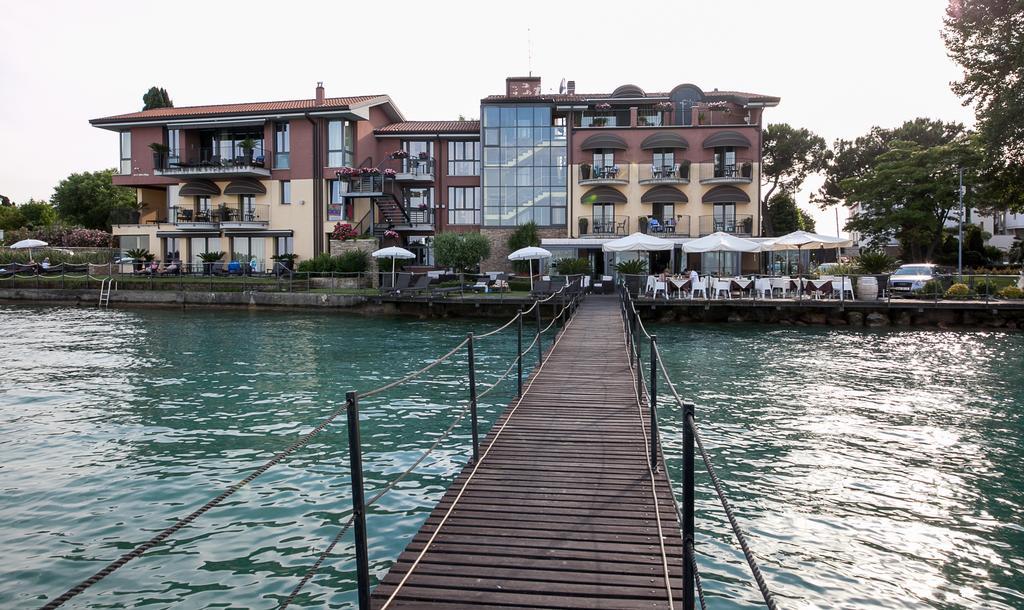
393	252
29	243
797	240
637	242
530	253
721	242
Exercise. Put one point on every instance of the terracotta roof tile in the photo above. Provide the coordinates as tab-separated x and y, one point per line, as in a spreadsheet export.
431	127
654	95
331	103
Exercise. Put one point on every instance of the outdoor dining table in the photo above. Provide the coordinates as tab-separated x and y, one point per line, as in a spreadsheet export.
742	284
680	283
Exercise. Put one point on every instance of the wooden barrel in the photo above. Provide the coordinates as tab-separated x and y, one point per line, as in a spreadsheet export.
867	288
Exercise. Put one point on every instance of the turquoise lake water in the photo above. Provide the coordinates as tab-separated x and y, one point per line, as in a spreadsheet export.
870	468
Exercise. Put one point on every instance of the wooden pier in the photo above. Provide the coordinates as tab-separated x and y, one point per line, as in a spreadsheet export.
562	509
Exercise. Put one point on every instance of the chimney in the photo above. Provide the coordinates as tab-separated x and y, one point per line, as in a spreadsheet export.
320	93
522	86
570	88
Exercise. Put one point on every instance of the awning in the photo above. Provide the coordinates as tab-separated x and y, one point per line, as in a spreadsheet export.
664	139
199	188
727	138
726	194
664	194
603	194
245	186
604	140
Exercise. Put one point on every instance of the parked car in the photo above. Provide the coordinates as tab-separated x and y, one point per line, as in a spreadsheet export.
913	277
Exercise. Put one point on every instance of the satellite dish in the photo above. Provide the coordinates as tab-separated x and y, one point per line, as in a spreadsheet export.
561	87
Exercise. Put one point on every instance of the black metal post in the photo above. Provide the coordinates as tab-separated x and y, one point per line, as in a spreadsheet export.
355	457
472	400
629	324
688	493
519	353
654	402
540	350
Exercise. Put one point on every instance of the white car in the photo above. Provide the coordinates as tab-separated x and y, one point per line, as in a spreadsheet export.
913	277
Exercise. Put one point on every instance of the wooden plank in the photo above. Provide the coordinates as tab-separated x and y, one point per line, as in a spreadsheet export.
561	512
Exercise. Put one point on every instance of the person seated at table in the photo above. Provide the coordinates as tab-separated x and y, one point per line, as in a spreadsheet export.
654	225
152	269
664	275
45	265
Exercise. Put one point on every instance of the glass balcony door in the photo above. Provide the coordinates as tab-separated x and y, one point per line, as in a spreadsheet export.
604	218
725	217
725	162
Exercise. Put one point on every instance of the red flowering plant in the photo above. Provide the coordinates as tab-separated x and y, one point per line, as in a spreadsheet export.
369	171
603	106
400	154
390	173
343	231
348	172
391	234
663	105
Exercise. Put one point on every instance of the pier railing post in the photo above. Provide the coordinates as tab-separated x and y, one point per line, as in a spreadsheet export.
472	400
519	353
688	493
540	350
654	402
355	457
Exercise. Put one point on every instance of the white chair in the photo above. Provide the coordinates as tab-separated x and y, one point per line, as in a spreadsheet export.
662	287
763	288
649	288
782	284
847	288
701	286
721	286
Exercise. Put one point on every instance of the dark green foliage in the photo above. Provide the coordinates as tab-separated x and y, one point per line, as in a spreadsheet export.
784	216
156	97
523	237
632	267
790	155
90	199
353	261
519	285
573	266
211	257
874	262
985	287
461	251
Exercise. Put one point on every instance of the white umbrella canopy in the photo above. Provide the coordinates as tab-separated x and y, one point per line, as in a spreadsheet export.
638	242
392	252
530	253
802	239
721	242
29	243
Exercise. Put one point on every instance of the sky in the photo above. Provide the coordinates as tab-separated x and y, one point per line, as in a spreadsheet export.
839	67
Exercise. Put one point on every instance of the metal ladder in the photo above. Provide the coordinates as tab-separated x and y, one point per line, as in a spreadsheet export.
106	287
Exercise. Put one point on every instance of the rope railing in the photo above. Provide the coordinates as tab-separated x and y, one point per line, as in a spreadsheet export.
634	329
351	409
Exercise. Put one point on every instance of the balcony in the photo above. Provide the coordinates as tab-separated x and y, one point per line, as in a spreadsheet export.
214	162
190	217
416	169
739	172
225	216
423	217
367	185
603	226
604	174
678	226
741	224
677	173
618	117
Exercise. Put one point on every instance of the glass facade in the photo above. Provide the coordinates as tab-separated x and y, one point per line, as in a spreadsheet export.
525	166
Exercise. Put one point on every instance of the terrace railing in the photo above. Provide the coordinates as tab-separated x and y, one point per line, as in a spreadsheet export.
740	224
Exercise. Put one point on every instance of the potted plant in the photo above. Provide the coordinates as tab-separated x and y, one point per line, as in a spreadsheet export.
684	169
583	222
247	145
633	271
600	121
700	117
160	151
209	260
287	260
747	169
642	223
138	256
584	171
747	226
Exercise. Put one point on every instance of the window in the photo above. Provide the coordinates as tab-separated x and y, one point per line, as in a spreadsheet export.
664	158
247	204
725	217
338	208
524	166
463	158
282	145
725	162
339	144
464	205
419	198
603	157
202	245
286	192
174	145
202	209
126	152
172	248
133	242
604	218
244	249
284	245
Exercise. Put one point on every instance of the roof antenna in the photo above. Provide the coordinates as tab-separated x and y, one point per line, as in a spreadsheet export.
529	52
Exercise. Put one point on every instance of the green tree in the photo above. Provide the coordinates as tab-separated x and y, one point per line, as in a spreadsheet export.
156	97
5	201
38	213
524	236
908	193
11	218
790	155
90	199
461	251
784	216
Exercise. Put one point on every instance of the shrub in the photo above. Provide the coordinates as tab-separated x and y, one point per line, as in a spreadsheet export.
931	288
460	251
518	285
522	237
874	262
1011	292
321	263
957	291
985	287
573	266
632	267
353	261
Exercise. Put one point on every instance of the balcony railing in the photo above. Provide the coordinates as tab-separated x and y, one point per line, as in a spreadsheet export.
617	173
658	116
603	118
741	224
678	226
603	225
367	185
674	173
215	160
739	172
420	216
417	168
191	215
